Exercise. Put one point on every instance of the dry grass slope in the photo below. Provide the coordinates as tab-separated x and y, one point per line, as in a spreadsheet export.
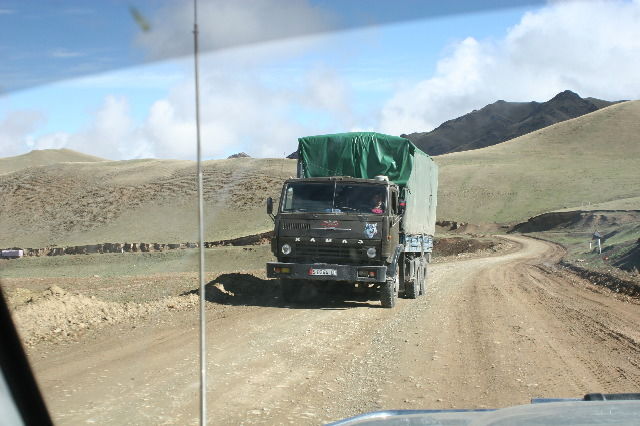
589	159
136	200
632	203
42	158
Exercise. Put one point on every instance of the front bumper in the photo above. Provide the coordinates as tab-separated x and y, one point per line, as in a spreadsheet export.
302	271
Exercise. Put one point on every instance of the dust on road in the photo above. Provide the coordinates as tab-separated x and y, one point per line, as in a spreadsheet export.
491	332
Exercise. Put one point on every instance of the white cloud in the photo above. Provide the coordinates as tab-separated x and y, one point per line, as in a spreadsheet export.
111	134
245	104
15	127
327	90
592	48
55	140
239	112
228	23
111	131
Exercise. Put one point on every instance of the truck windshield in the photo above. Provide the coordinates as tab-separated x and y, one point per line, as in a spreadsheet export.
334	197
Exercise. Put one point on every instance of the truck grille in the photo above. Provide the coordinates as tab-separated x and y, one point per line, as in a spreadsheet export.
295	226
345	255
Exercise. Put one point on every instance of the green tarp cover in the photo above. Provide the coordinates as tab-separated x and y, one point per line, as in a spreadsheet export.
368	154
358	154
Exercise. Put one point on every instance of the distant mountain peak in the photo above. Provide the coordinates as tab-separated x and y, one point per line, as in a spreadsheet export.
501	121
566	94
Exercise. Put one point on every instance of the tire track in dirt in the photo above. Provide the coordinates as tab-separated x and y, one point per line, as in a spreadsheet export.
515	327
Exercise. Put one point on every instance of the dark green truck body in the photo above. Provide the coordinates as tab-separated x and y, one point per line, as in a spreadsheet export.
322	237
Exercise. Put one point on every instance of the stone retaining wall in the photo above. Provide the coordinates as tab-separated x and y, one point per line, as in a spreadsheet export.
127	247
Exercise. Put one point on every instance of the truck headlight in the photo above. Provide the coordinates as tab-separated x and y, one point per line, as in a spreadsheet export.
371	252
286	249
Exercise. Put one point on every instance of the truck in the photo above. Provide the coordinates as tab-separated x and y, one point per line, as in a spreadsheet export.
11	253
360	213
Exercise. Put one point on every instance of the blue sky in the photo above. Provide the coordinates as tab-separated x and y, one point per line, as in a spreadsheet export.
338	73
48	40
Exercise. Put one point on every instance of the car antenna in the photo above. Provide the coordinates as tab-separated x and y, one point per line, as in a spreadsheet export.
203	352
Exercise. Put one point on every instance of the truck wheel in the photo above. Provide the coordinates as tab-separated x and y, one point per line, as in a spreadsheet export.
423	280
290	290
389	292
412	288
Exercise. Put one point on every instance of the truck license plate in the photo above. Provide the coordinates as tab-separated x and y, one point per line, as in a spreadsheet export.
333	272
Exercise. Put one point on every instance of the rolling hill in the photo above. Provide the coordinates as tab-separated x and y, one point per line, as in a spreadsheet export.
136	201
44	157
589	159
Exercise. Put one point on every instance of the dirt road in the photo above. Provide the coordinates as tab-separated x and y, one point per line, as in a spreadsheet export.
491	332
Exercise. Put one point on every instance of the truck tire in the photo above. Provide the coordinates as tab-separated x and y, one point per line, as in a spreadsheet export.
423	281
389	291
412	288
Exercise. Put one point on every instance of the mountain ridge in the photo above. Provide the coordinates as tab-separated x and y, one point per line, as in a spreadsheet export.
502	121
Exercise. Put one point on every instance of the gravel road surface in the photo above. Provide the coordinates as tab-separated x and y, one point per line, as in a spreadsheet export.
491	332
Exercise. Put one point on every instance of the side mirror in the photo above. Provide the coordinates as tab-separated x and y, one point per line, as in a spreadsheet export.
269	206
402	206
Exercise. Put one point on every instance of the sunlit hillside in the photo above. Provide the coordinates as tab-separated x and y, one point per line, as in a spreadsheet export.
44	157
590	159
136	200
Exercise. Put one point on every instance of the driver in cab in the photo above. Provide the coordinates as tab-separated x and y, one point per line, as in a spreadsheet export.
377	204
